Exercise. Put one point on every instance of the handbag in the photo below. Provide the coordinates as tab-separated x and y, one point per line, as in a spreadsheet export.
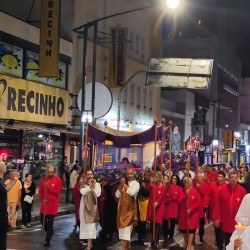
28	199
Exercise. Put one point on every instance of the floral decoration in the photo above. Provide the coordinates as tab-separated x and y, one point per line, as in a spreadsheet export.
179	160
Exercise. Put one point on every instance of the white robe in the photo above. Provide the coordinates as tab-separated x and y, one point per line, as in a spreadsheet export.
87	231
133	189
243	217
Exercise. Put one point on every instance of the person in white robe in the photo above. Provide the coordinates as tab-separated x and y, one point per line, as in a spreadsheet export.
88	230
126	215
240	239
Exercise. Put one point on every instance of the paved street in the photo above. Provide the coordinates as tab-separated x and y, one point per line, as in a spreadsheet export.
66	237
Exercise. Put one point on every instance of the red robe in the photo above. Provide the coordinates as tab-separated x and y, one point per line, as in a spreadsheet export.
171	208
160	192
51	194
204	190
194	201
229	201
77	199
211	176
214	194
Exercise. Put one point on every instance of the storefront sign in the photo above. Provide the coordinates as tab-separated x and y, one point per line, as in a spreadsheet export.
33	102
228	138
49	38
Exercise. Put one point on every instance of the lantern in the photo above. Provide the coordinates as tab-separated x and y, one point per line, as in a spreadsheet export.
190	145
49	144
197	143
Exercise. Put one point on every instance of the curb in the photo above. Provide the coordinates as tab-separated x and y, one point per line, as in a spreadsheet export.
36	217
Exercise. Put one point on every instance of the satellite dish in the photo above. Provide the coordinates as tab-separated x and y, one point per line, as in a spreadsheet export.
103	99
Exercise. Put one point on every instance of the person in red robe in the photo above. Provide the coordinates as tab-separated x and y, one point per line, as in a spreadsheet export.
49	194
215	188
210	174
171	208
157	188
77	199
229	200
204	190
189	212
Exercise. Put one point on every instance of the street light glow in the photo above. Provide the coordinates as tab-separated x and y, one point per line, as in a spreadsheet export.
173	4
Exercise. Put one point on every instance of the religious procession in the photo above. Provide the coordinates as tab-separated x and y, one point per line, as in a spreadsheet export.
176	195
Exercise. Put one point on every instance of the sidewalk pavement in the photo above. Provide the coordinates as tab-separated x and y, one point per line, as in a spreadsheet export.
64	208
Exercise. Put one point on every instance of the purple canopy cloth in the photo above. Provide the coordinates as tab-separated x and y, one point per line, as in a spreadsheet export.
122	141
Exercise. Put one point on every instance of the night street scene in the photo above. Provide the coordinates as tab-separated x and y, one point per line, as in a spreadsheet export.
124	124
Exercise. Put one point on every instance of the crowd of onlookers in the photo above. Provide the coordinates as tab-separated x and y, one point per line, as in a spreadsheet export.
185	197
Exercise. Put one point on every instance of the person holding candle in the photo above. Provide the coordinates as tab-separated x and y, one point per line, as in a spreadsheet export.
240	238
230	197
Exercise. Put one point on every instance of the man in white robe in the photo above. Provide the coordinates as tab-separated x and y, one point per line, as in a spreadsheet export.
127	211
90	190
240	239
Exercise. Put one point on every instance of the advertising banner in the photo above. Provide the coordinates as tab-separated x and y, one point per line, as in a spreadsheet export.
228	138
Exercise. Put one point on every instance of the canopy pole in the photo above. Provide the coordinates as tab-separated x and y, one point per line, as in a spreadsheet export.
170	147
187	202
154	197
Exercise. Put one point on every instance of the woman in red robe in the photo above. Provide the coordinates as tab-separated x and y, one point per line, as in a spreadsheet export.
77	199
157	188
174	191
189	212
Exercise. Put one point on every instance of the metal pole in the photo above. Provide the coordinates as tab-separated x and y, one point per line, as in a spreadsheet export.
93	85
110	16
85	40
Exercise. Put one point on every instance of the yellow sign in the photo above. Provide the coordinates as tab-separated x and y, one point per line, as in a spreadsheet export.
32	102
228	138
49	38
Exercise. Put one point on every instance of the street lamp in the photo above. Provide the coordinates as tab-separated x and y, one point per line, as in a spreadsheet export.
84	30
173	4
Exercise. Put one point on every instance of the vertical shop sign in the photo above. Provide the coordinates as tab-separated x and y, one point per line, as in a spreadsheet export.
228	138
49	38
118	54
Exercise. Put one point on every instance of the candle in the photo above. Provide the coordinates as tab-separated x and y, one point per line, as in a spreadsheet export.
240	227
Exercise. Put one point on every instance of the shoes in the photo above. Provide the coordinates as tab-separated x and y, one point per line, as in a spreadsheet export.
23	227
46	244
28	225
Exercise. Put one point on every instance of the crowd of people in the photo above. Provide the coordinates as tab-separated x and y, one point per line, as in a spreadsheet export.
165	199
161	199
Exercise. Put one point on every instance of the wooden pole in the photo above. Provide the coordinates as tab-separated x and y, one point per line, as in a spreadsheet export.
104	147
154	197
86	148
163	127
170	147
45	193
93	156
187	202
